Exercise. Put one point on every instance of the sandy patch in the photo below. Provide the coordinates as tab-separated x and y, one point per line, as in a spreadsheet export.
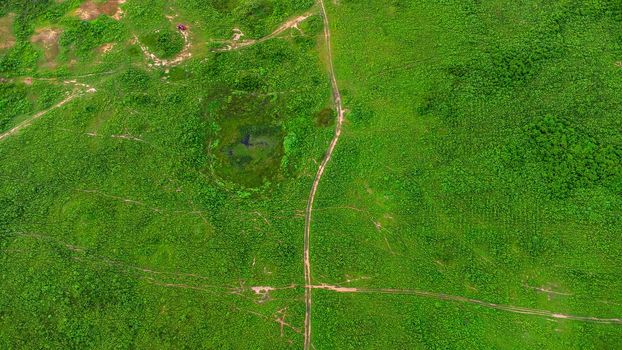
47	38
119	13
7	40
89	10
262	290
237	34
106	48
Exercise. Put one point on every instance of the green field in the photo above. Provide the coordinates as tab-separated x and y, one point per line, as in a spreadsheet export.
154	181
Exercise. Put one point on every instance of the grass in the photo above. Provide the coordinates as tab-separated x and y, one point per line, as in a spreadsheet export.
124	180
461	179
480	158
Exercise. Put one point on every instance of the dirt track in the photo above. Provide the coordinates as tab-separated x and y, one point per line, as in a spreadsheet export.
237	44
318	177
441	296
38	115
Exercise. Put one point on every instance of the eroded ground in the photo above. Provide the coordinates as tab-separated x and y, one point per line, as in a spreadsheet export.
90	9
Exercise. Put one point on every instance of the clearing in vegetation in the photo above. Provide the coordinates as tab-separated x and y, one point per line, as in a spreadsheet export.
310	174
7	39
90	9
47	39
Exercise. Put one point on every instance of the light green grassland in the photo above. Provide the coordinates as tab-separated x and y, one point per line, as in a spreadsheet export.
481	157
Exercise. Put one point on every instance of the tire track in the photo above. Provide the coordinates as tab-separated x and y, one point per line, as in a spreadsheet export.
456	298
318	177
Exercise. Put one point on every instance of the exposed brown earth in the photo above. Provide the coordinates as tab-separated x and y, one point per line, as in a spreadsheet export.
90	10
7	40
106	48
47	38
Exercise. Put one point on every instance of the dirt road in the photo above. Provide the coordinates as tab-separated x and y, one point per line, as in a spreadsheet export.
318	177
456	298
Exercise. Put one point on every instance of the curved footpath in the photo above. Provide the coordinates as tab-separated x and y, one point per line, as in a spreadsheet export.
318	177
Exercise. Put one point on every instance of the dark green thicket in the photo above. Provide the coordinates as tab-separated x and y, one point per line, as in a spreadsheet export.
569	157
135	79
13	101
18	99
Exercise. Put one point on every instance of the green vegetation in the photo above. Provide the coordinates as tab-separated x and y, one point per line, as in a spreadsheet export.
164	44
571	158
110	202
481	157
80	38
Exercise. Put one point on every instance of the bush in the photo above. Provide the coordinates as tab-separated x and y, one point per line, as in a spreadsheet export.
569	157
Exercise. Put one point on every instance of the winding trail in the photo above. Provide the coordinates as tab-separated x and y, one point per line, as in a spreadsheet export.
318	177
441	296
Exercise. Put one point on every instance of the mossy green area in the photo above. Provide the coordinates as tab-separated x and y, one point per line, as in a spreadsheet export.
153	185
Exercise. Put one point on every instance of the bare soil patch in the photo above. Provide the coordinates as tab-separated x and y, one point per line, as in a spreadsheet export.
90	10
47	38
106	48
7	40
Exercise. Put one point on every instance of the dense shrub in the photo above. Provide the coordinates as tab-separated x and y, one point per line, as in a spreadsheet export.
569	157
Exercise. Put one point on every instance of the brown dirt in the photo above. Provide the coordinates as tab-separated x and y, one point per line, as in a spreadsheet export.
47	38
90	10
7	40
106	48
